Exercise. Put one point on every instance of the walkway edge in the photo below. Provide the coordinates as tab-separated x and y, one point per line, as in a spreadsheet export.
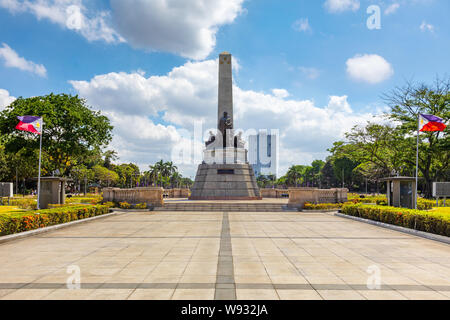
35	232
422	234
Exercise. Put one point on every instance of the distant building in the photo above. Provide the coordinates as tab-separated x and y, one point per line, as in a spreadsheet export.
263	152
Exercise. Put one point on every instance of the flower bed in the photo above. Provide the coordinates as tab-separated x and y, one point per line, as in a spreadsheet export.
22	203
436	222
125	205
21	222
355	198
83	200
10	209
422	204
322	206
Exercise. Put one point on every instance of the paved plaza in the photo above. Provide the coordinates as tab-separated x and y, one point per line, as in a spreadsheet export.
224	255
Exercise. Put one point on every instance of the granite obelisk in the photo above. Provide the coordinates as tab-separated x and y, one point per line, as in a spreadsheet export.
225	173
225	86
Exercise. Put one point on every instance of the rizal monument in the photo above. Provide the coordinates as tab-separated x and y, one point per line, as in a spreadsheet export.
225	173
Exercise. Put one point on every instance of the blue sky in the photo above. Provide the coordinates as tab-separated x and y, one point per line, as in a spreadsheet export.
333	54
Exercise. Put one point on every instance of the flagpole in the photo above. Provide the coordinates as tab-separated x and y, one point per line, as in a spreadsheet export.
417	162
39	175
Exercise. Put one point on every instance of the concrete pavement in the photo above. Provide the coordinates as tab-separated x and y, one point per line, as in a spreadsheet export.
225	255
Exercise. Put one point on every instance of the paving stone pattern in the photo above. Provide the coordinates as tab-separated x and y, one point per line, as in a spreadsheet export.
225	255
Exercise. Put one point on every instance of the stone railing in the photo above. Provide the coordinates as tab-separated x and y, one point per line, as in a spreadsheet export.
274	193
299	196
153	197
177	193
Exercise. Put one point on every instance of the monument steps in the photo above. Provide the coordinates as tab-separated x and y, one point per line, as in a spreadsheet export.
223	207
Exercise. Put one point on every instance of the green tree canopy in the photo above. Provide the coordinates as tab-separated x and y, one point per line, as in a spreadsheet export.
406	104
71	130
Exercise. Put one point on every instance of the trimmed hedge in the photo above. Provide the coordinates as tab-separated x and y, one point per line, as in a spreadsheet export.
22	203
322	206
21	222
126	206
89	200
355	198
428	221
422	204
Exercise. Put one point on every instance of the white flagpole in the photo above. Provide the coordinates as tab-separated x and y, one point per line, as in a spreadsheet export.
39	176
417	162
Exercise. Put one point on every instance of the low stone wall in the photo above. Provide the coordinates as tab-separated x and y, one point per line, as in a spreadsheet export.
153	197
274	193
177	193
299	196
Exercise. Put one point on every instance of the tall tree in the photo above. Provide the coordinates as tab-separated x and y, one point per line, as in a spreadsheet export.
406	104
104	176
71	130
327	174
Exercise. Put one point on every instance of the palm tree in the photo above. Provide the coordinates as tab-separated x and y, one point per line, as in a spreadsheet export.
294	175
170	169
155	171
175	179
162	171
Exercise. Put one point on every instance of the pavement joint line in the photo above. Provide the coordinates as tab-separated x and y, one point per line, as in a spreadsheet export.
205	285
236	237
417	233
225	266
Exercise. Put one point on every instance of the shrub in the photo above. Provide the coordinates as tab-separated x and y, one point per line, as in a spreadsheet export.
422	204
110	204
21	222
322	206
356	198
22	203
85	200
141	206
428	221
425	204
55	206
10	209
124	205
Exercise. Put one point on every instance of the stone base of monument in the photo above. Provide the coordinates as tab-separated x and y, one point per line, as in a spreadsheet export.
225	182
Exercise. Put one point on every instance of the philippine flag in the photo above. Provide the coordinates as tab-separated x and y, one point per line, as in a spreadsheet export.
430	123
30	124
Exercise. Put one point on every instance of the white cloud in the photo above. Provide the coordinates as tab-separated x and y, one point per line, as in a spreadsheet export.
426	27
392	8
69	14
280	93
5	99
302	25
370	68
338	6
338	104
311	73
13	60
189	93
187	28
184	94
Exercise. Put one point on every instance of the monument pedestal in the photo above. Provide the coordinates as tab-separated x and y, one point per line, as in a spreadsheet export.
53	191
225	182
